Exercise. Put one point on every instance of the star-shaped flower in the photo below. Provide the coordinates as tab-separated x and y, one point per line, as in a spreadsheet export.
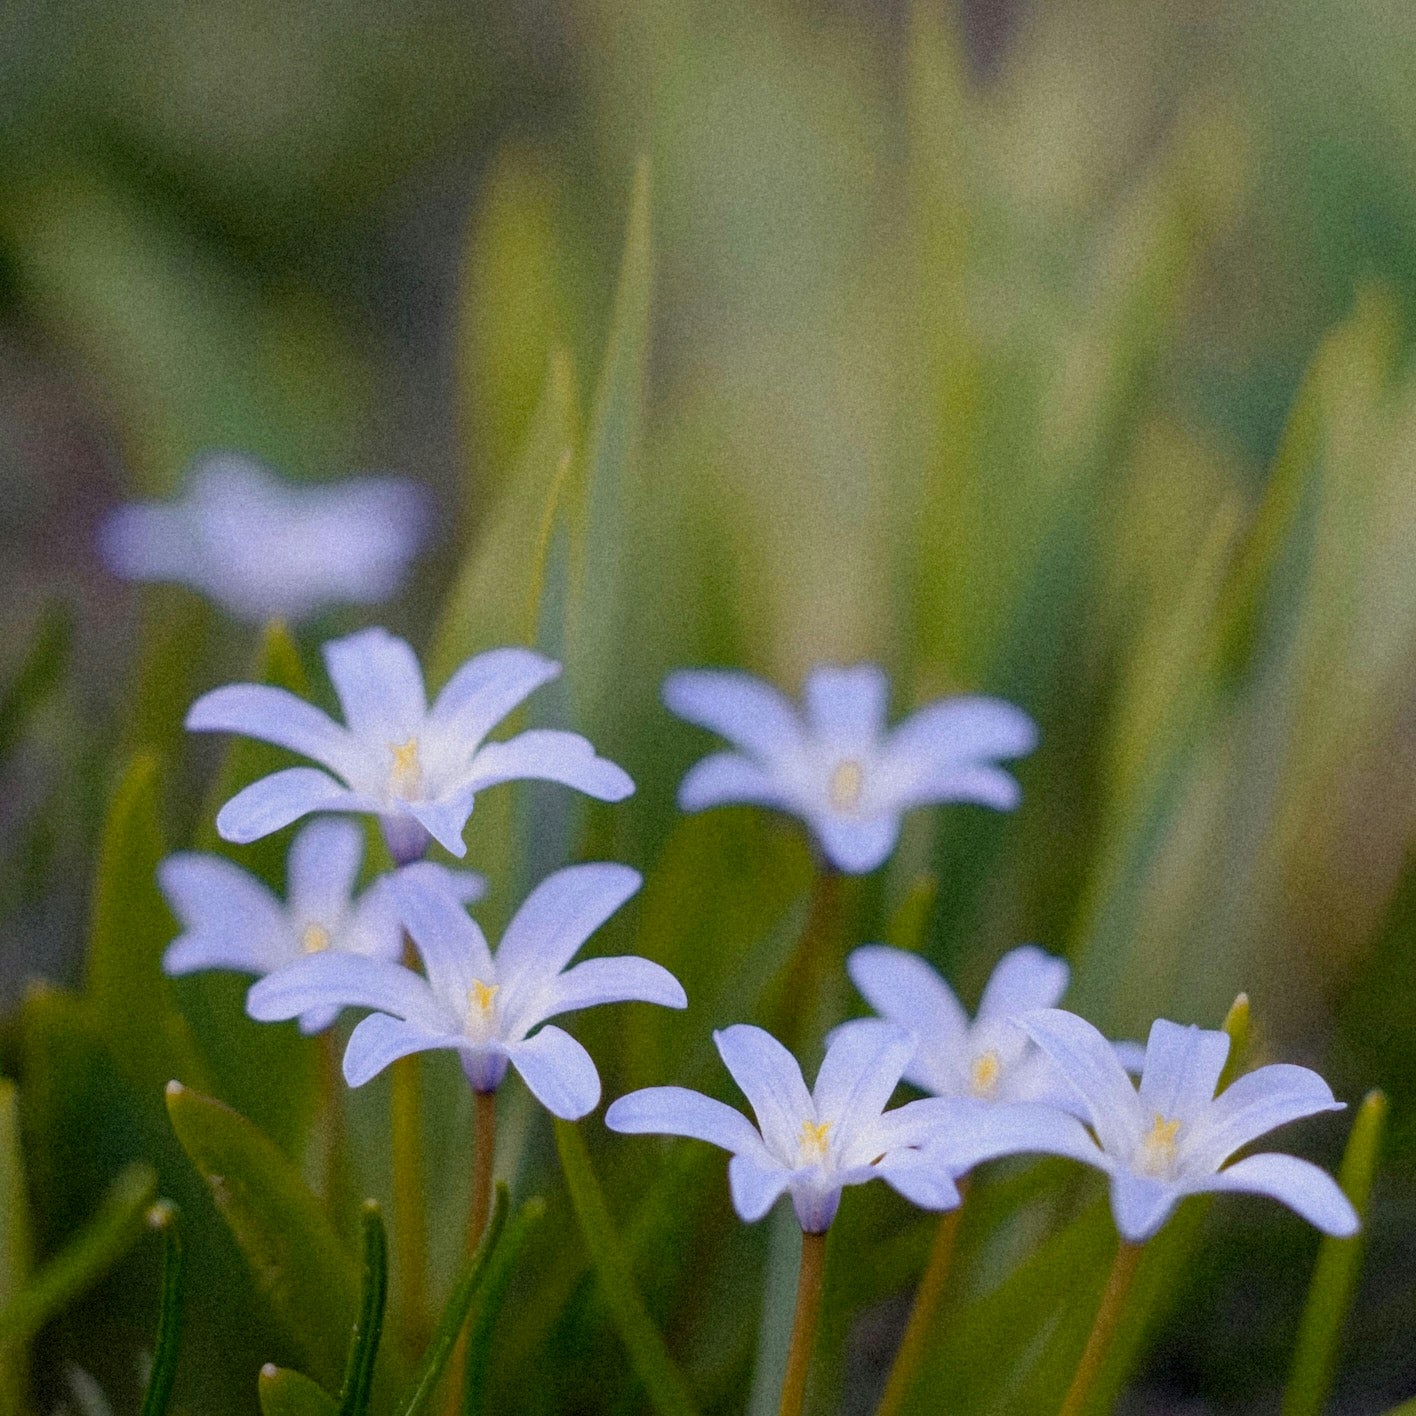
265	548
482	1006
417	768
232	920
1173	1136
810	1144
835	764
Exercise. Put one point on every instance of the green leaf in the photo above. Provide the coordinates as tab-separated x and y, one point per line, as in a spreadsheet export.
163	1216
44	663
14	1239
455	1310
910	919
132	999
293	1251
286	1393
491	1292
364	1344
1335	1278
83	1261
663	1382
602	587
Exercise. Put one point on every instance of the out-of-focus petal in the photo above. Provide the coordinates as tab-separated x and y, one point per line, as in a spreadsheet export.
677	1111
484	690
771	1080
549	755
336	980
322	867
445	820
920	1178
1181	1070
1303	1187
967	783
1252	1106
1025	979
231	920
558	1071
856	845
846	706
728	778
969	728
274	715
979	1132
904	988
273	802
1088	1062
379	684
749	712
379	1040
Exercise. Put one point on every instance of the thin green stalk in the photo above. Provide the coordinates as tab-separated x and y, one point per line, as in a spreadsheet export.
410	1234
810	1283
1108	1315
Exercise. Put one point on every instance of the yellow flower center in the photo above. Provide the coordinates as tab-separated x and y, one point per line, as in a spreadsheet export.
314	939
984	1073
847	782
813	1140
405	777
1157	1155
480	999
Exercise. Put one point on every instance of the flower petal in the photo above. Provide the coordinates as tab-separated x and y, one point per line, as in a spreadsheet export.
1024	980
966	782
274	715
484	690
321	869
445	820
465	886
379	684
846	707
231	920
273	802
1088	1062
557	917
722	778
1181	1070
749	712
449	941
756	1184
856	845
623	979
558	1071
1253	1105
979	1131
1140	1204
379	1040
860	1072
770	1079
1302	1186
548	755
336	980
921	1178
677	1111
964	729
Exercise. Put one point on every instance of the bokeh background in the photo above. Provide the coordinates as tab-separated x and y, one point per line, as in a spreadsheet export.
1058	350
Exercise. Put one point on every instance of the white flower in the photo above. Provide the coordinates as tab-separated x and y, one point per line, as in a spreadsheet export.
232	920
265	548
1173	1136
417	768
835	764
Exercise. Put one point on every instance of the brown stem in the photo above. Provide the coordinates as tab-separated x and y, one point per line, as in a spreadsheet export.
1108	1315
810	1281
926	1303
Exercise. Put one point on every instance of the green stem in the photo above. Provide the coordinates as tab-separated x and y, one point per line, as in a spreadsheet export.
926	1303
810	1281
1108	1315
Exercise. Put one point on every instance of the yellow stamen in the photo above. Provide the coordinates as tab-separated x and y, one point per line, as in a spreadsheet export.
406	775
813	1139
847	782
480	996
1158	1148
984	1073
314	939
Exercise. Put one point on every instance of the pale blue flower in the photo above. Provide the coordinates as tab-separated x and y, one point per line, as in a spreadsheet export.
835	763
1172	1137
417	768
263	547
990	1056
232	920
483	1006
811	1144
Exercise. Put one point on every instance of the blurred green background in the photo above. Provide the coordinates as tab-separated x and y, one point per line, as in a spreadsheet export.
1059	350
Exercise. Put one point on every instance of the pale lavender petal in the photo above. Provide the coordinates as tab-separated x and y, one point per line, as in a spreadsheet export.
1131	1055
1252	1106
749	712
379	684
548	755
379	1040
1024	980
968	728
815	1197
273	715
1140	1204
465	886
558	1071
921	1177
558	916
771	1080
846	707
856	845
960	782
445	820
1303	1187
231	920
484	690
979	1132
624	979
1088	1062
756	1184
860	1071
273	802
374	926
322	867
677	1111
449	941
905	989
727	778
337	980
1181	1070
148	541
317	1020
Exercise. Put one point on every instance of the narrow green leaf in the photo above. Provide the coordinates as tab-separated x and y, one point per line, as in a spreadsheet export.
455	1310
663	1382
14	1239
83	1261
43	664
489	1297
286	1393
293	1251
1407	1408
364	1344
1335	1278
163	1216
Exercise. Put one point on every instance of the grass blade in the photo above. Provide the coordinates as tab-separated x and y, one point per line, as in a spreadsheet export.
163	1216
43	665
286	1393
650	1358
1335	1278
14	1238
368	1327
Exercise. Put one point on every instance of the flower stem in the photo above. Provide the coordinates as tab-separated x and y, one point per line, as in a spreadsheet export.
1108	1315
484	1143
410	1233
926	1303
810	1280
